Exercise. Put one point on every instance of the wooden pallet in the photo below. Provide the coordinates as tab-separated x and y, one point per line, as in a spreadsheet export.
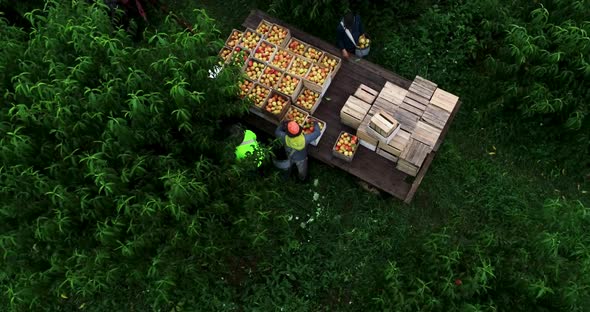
366	94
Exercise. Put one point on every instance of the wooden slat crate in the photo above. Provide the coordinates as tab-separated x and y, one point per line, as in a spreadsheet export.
328	61
383	123
366	94
353	112
423	87
416	98
258	53
296	46
407	167
234	38
250	39
435	116
397	144
444	100
279	116
297	89
303	102
323	127
264	27
340	155
282	58
278	35
415	152
293	112
393	93
426	133
425	83
406	119
362	133
387	155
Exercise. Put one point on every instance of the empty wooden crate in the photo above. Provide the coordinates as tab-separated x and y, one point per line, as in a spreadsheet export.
366	94
383	124
353	111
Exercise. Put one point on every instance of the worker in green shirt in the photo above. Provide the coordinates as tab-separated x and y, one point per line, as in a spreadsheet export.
248	145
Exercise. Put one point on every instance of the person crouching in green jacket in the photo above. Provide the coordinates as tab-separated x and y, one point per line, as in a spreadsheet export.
291	136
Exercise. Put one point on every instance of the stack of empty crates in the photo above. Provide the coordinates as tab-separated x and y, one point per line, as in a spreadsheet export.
402	125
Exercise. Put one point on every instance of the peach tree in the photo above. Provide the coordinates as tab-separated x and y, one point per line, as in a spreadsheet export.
118	187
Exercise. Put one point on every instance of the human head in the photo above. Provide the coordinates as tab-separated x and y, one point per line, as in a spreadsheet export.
293	129
348	20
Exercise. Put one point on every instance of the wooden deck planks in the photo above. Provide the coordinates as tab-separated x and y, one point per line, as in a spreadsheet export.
368	165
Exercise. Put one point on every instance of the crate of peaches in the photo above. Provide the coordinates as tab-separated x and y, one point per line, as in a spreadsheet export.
313	53
299	67
278	35
319	78
225	54
332	62
276	105
345	146
297	46
239	56
234	38
270	77
264	51
297	115
253	69
282	59
289	85
309	127
245	87
264	27
258	95
250	39
308	99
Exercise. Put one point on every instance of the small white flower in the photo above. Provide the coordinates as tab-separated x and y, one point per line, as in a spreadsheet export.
316	182
302	225
296	218
316	196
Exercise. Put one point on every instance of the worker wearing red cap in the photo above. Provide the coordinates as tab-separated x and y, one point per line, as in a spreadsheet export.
295	142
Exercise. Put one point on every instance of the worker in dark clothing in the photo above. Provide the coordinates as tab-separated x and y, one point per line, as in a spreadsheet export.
347	41
295	142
